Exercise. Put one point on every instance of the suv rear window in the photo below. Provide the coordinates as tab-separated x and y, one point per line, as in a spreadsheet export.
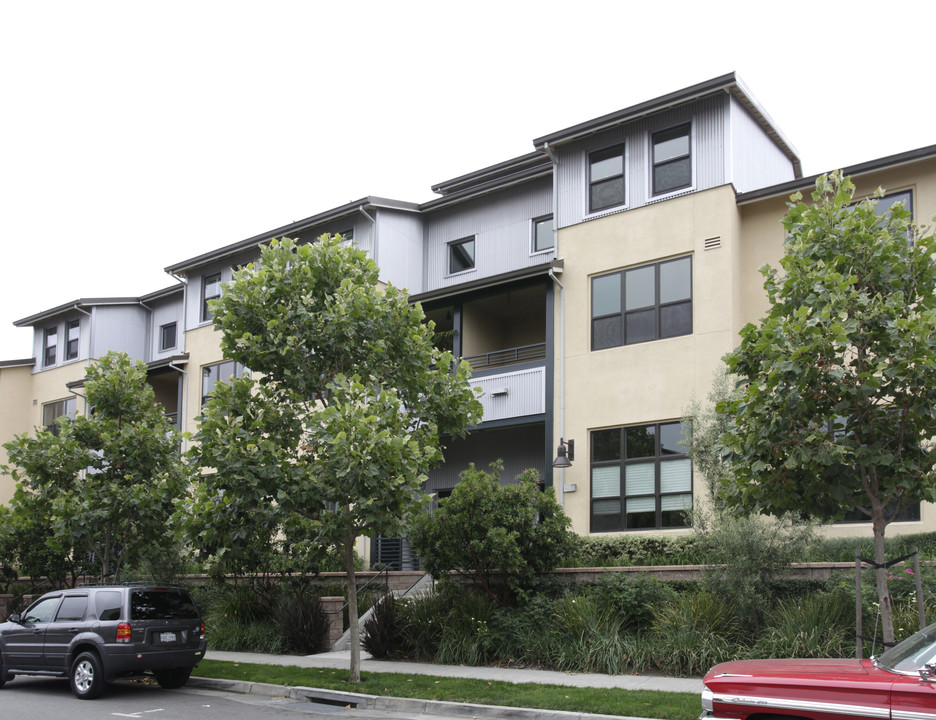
161	605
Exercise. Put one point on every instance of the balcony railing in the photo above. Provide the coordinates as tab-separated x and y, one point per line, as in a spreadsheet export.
509	356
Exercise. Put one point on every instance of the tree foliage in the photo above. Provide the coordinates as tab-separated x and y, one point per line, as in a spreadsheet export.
835	410
332	433
500	537
100	488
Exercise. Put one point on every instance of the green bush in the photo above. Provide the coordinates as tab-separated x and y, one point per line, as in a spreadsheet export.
816	626
382	634
635	550
303	624
233	633
592	637
694	632
632	598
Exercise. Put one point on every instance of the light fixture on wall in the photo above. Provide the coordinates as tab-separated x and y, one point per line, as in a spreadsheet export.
565	454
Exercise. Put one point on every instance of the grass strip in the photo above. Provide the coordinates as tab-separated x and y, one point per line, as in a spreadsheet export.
614	701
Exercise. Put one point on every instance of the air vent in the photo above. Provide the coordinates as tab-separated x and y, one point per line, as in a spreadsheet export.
712	243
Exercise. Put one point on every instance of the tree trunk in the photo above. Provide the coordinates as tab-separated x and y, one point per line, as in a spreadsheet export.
880	572
347	556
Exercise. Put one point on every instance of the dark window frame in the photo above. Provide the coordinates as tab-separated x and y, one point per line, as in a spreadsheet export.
237	370
603	155
537	223
210	284
72	341
661	329
666	135
52	411
163	331
658	459
49	348
455	251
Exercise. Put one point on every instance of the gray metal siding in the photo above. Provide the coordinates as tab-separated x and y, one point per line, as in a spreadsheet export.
708	135
520	448
122	328
163	314
501	224
399	249
526	394
756	160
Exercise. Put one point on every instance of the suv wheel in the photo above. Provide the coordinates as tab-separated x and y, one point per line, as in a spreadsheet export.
87	678
172	678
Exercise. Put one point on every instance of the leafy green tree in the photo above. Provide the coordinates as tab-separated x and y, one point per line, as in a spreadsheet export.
835	410
500	537
107	479
341	417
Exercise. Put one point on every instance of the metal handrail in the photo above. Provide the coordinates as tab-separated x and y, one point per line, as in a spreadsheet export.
507	356
385	572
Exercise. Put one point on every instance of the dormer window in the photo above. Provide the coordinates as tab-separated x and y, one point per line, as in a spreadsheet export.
672	160
606	178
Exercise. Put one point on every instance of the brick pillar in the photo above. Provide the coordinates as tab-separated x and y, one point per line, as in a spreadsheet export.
332	607
5	602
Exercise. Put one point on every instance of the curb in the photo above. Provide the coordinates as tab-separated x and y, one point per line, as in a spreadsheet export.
362	701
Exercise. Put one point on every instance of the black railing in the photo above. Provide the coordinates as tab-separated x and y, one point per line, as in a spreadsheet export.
508	356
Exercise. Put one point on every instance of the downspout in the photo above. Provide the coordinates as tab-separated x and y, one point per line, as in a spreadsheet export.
552	275
374	223
183	415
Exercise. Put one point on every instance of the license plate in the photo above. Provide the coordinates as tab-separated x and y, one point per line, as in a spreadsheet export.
167	637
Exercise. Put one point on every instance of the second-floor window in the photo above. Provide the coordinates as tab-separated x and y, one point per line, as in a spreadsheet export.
672	160
543	238
52	411
72	330
49	343
461	255
219	372
606	179
640	304
167	336
211	289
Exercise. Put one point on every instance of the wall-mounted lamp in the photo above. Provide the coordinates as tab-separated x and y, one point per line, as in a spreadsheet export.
565	454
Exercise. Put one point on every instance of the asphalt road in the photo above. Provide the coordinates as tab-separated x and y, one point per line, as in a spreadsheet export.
30	698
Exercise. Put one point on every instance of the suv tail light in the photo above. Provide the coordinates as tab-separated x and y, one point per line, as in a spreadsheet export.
123	632
202	636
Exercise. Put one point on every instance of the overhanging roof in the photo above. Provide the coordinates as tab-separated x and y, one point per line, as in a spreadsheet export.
488	282
337	213
729	83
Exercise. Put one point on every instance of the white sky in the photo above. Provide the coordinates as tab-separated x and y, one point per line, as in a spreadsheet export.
136	135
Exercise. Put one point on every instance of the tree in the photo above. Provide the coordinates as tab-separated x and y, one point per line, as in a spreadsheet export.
500	537
340	418
835	410
108	479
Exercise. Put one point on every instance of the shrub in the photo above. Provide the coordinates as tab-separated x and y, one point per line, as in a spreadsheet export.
592	637
815	626
383	634
694	632
500	537
632	598
303	624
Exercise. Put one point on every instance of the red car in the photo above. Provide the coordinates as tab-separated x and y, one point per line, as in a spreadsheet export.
898	685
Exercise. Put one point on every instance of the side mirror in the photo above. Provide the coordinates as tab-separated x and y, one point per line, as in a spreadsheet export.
928	673
16	618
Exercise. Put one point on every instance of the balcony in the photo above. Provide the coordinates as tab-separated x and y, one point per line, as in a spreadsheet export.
508	356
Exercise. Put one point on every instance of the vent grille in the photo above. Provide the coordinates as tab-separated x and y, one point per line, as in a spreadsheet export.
712	243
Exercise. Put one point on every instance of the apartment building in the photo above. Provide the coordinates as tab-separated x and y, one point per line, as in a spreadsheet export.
593	285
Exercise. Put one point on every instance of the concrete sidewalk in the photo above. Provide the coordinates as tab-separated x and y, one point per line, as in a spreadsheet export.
409	708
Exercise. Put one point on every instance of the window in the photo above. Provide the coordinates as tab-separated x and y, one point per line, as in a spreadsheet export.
219	372
606	178
211	289
672	160
461	255
49	340
543	236
642	304
347	237
72	609
167	336
51	412
640	478
71	339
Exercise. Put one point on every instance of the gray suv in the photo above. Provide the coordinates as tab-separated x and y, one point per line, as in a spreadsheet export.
94	634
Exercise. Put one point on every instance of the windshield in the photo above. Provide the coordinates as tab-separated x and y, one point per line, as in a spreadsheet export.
911	654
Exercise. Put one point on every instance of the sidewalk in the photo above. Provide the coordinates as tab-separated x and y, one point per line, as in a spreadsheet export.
342	659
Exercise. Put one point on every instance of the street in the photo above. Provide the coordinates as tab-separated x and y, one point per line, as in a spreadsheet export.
31	697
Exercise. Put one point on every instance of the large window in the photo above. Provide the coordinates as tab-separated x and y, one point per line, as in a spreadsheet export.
461	255
645	303
211	289
219	372
606	179
543	235
52	411
49	342
72	330
640	478
672	160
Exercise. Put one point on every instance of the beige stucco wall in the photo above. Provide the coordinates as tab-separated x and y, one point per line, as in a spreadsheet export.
646	382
